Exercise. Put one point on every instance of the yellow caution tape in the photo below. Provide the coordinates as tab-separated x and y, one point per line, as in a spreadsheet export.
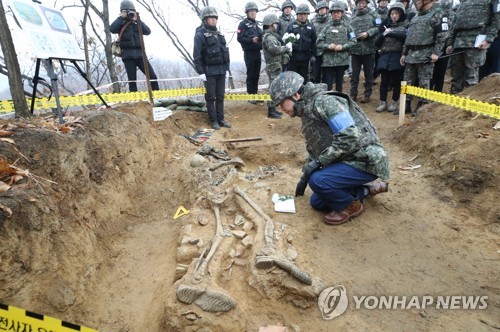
464	103
16	319
467	104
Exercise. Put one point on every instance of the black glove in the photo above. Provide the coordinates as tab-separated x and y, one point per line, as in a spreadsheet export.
310	168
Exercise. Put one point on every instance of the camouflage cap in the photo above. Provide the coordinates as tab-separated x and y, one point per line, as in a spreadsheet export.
270	19
127	5
284	86
251	6
208	11
286	4
337	6
303	8
321	4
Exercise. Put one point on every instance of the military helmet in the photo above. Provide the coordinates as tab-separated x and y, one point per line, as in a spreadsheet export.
337	6
251	6
270	19
127	5
208	11
446	4
321	4
303	8
284	86
399	6
287	3
356	1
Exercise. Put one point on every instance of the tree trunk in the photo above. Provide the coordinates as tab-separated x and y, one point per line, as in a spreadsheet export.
107	48
86	40
14	73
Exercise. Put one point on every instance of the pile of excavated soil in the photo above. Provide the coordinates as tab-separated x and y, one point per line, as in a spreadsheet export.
100	247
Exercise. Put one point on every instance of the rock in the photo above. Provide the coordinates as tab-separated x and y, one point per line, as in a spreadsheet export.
248	226
239	234
248	241
291	254
239	220
198	161
202	219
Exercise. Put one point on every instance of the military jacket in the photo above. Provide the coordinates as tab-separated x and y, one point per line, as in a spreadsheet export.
284	23
273	48
383	13
305	47
210	52
426	35
247	30
339	33
356	144
475	17
320	23
365	21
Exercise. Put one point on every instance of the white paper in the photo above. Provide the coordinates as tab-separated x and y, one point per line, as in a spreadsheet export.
479	40
161	113
285	204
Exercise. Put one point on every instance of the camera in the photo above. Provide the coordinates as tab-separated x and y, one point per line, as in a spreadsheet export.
130	14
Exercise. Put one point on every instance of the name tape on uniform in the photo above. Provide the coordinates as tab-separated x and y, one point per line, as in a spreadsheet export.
20	320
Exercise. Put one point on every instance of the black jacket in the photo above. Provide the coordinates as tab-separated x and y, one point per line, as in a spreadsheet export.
130	41
247	29
210	52
305	47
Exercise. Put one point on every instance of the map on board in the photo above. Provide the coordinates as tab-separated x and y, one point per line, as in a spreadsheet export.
47	30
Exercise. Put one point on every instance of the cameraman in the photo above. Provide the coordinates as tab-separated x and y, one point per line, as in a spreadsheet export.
130	43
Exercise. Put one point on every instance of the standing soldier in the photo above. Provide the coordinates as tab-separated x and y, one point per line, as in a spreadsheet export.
286	16
211	58
250	38
382	9
334	43
425	39
320	21
304	49
130	42
475	27
276	55
390	41
440	66
365	23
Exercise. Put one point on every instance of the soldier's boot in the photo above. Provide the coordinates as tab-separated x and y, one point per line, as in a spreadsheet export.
407	108
419	104
382	107
273	114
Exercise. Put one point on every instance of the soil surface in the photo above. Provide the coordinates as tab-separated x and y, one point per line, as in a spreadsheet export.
99	246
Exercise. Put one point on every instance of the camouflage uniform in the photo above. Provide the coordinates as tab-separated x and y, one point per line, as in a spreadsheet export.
285	20
338	134
338	33
426	35
319	22
383	12
276	55
363	53
473	17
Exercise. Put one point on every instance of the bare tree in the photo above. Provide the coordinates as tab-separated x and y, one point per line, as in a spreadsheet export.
14	72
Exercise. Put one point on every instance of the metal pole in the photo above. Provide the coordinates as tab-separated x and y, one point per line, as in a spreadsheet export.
144	59
35	83
53	80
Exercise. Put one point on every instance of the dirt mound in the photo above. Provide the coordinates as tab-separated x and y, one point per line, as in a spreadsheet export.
463	148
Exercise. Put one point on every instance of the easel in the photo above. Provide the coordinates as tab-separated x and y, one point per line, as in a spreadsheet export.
53	80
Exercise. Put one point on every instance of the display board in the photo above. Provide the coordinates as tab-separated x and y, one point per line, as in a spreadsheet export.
47	30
